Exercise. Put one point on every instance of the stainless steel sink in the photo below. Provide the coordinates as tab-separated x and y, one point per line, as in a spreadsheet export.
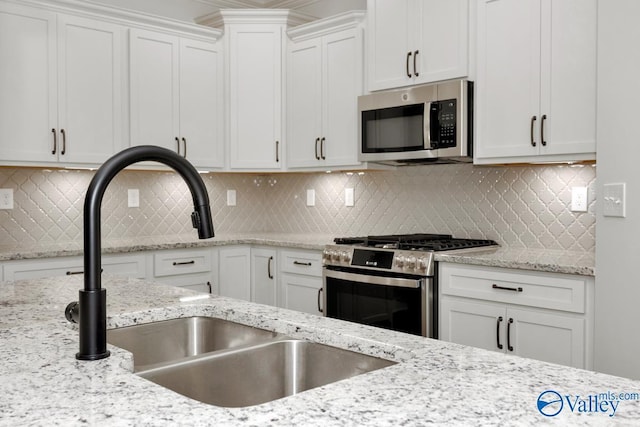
171	340
261	373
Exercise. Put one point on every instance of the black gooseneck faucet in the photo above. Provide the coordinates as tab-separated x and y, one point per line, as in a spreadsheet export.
93	299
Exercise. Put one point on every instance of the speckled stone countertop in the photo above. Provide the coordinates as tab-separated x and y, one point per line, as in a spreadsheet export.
41	382
582	263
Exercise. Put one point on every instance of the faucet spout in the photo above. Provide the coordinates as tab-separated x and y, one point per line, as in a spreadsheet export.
93	299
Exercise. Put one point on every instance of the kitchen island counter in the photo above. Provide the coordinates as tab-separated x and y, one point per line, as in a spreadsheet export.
42	383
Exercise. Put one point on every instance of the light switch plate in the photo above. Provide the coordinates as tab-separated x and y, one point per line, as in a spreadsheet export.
614	200
133	198
6	198
311	197
349	199
231	197
579	199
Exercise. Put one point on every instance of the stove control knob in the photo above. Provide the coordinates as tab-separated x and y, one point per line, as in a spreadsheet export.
422	263
399	261
411	262
326	255
346	257
335	256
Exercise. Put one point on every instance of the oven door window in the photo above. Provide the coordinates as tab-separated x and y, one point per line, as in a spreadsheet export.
394	129
388	307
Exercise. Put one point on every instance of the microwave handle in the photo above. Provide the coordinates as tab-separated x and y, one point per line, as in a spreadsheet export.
427	125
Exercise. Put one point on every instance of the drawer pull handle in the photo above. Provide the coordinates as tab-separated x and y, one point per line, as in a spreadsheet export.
498	333
319	299
504	288
183	262
407	64
533	122
509	346
269	274
306	264
73	273
210	287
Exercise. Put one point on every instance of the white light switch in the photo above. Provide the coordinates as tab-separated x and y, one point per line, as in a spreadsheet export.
579	200
349	198
311	197
133	198
6	198
614	200
231	197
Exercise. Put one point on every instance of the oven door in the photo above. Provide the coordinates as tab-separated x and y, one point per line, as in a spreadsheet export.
402	304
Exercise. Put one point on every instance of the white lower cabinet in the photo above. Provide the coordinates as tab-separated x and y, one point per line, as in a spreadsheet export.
301	280
264	276
129	265
195	269
235	272
544	316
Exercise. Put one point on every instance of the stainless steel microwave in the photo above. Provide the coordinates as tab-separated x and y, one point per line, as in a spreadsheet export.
420	124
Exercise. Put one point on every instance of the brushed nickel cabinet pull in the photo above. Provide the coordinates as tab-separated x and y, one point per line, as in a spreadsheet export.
543	141
322	148
64	142
316	150
504	288
407	65
55	141
533	122
500	346
184	262
415	58
509	346
184	144
306	264
269	275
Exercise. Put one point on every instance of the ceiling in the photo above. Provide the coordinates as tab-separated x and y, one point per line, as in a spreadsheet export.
189	10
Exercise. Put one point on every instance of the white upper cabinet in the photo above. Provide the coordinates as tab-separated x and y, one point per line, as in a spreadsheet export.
176	96
62	89
416	41
324	82
536	80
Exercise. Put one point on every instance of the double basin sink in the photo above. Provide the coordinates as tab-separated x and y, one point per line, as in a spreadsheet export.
228	364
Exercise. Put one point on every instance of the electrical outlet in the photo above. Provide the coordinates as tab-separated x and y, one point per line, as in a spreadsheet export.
614	200
133	198
349	198
6	198
311	197
579	200
231	197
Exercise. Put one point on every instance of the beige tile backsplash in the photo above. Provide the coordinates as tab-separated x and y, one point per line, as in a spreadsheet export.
526	206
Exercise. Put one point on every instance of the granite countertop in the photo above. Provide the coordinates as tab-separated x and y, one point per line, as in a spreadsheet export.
435	382
555	261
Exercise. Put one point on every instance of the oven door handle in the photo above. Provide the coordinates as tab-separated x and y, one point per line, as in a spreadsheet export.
374	280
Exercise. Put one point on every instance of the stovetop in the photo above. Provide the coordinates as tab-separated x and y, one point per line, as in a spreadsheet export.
415	242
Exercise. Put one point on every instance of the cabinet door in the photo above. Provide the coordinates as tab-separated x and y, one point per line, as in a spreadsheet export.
28	104
301	293
341	86
263	276
442	39
201	100
154	89
304	120
568	87
89	89
235	273
255	110
549	337
473	323
508	78
388	43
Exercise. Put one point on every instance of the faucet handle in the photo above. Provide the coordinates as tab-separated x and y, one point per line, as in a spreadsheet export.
195	219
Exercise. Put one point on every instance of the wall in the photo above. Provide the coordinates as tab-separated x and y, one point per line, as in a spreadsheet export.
517	206
617	341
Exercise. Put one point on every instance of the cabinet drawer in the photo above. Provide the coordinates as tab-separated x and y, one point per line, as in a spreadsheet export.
173	263
535	289
302	262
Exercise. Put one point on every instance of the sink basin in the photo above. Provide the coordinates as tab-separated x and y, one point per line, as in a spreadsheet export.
261	373
171	340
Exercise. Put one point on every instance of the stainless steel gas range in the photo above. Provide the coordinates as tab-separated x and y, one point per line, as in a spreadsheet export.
388	281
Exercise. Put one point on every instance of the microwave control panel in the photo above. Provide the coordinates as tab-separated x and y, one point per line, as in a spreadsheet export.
443	124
